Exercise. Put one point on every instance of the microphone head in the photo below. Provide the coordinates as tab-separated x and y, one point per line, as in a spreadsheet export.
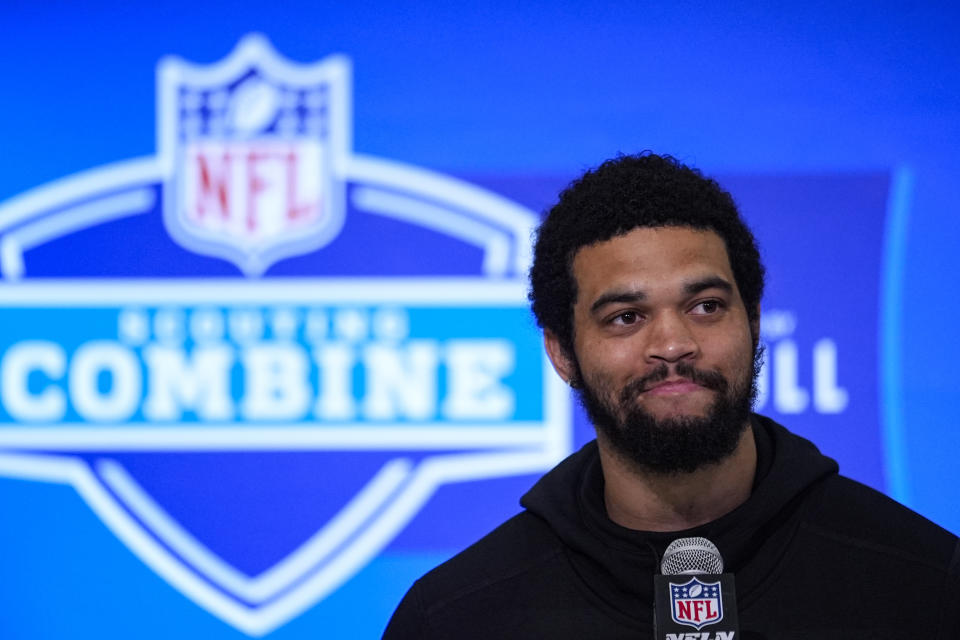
690	556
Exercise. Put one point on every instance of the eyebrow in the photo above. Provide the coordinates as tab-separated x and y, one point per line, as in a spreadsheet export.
691	288
617	296
713	282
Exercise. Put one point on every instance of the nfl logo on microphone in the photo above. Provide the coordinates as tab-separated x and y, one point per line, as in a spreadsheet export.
696	603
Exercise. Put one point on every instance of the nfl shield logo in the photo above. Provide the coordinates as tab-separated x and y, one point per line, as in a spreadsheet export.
695	603
258	444
254	149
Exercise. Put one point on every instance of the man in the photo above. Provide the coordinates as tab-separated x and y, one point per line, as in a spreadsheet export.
647	285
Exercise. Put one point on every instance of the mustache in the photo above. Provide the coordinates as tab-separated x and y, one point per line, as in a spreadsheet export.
709	379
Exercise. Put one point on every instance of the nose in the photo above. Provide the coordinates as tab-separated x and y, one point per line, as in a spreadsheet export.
669	339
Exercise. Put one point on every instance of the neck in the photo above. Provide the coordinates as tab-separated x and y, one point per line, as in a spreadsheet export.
646	501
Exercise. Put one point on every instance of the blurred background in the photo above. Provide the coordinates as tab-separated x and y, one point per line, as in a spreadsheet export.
834	126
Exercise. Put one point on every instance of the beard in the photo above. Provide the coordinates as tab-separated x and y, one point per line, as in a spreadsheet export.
676	444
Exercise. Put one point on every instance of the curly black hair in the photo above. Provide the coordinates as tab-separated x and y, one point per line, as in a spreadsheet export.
622	194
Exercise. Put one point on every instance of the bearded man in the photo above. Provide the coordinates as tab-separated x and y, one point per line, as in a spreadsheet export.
647	284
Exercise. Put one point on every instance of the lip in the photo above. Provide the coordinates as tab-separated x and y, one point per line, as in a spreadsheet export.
674	387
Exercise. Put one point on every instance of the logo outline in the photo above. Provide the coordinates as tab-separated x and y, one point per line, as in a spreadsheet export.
100	195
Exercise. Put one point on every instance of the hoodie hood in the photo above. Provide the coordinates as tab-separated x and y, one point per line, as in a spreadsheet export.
616	563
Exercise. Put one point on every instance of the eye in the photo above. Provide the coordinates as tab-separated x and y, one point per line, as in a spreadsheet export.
707	308
626	318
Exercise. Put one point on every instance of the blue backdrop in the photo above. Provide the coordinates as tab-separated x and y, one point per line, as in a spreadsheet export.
835	128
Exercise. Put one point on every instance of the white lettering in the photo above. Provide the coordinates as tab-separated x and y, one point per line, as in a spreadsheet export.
276	385
284	323
201	383
20	360
316	325
827	396
351	324
475	370
133	327
335	401
777	323
207	325
391	324
168	325
788	397
220	365
401	380
245	325
725	635
94	359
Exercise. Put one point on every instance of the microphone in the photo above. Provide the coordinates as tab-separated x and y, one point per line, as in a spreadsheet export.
691	556
692	591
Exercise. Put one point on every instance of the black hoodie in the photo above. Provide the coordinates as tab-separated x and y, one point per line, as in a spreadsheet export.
815	555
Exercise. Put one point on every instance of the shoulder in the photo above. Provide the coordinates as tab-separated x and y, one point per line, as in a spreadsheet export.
495	576
877	560
516	548
860	518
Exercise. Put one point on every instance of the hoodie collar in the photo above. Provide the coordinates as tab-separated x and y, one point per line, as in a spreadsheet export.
617	563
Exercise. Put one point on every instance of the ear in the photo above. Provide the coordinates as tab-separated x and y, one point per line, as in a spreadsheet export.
562	362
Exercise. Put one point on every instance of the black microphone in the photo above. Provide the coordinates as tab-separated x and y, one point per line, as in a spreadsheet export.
693	597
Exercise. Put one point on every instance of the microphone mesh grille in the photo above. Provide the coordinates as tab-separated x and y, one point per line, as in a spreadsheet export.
691	556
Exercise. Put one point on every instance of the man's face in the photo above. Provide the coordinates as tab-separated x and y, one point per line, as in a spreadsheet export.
663	349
